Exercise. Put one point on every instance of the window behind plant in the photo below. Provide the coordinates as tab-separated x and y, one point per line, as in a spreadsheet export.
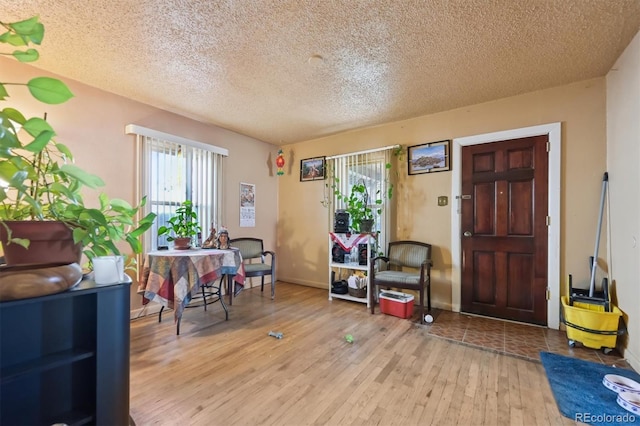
372	170
175	172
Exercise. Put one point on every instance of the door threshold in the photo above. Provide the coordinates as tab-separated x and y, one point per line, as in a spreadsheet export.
503	319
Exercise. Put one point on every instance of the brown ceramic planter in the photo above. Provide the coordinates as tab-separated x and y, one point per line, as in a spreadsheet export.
51	244
182	243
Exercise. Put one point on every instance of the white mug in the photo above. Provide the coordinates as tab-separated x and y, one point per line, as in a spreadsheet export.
108	269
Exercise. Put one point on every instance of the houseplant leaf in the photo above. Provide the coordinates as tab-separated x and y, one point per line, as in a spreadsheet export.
92	181
120	204
29	55
62	148
8	171
143	225
14	115
49	90
40	141
13	39
94	215
36	125
32	28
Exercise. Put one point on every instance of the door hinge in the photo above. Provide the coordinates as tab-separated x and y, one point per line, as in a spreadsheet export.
548	146
548	294
547	220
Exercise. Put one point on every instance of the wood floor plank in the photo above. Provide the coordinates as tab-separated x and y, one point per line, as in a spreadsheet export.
459	397
514	370
447	382
470	389
429	370
503	407
219	372
490	389
527	384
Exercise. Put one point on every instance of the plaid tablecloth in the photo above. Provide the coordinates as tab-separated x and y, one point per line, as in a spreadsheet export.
172	277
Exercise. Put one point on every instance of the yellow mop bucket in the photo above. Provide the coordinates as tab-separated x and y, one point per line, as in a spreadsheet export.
590	325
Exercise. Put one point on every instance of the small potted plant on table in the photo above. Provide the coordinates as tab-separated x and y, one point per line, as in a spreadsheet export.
182	227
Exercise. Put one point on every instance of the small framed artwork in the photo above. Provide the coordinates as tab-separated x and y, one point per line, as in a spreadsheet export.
429	157
312	169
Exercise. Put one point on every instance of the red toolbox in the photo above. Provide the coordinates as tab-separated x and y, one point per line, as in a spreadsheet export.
396	303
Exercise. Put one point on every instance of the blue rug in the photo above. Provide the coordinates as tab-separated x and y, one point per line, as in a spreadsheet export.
579	392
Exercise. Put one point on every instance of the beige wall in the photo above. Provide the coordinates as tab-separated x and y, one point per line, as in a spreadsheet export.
580	107
623	158
92	125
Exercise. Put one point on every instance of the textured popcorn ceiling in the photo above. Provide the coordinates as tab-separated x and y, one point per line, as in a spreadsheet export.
249	65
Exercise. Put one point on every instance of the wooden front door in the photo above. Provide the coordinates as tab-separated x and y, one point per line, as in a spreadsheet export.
504	230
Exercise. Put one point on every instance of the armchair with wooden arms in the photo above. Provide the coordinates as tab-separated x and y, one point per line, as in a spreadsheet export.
252	248
390	271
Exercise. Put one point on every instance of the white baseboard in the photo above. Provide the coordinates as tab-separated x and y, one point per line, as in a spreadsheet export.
150	309
307	283
632	359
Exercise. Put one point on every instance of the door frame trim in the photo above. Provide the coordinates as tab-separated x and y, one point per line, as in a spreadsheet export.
553	130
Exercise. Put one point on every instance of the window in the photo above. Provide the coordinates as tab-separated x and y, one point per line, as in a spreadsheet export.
174	169
370	168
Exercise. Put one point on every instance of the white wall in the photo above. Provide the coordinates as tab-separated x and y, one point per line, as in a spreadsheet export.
623	164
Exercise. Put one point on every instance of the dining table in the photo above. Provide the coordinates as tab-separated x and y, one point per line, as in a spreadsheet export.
173	277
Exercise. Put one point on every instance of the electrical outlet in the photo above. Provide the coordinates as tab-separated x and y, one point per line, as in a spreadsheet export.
443	200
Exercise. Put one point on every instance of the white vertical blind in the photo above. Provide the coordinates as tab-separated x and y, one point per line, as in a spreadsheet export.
172	172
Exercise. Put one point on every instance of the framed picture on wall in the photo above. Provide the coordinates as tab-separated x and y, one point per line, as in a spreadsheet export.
429	157
312	169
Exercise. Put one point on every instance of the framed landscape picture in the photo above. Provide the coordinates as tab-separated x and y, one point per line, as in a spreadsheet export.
312	169
429	157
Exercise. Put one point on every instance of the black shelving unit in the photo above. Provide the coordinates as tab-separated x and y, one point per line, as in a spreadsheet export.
64	358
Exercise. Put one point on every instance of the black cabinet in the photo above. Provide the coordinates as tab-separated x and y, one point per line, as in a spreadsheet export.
64	358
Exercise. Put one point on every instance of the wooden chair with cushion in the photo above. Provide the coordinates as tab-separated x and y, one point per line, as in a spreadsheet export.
407	265
251	249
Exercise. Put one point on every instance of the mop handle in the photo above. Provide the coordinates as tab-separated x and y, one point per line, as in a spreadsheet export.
592	284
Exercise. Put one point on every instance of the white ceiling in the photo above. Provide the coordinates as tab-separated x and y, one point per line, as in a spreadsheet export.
246	65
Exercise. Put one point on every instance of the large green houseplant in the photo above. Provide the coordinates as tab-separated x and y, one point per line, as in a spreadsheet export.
38	180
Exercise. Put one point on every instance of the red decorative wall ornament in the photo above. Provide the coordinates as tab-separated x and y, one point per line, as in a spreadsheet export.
280	163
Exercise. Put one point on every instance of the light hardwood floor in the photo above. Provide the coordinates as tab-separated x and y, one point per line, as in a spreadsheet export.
233	373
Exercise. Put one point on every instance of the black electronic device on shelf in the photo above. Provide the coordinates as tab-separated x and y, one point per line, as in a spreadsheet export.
338	253
362	254
341	222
